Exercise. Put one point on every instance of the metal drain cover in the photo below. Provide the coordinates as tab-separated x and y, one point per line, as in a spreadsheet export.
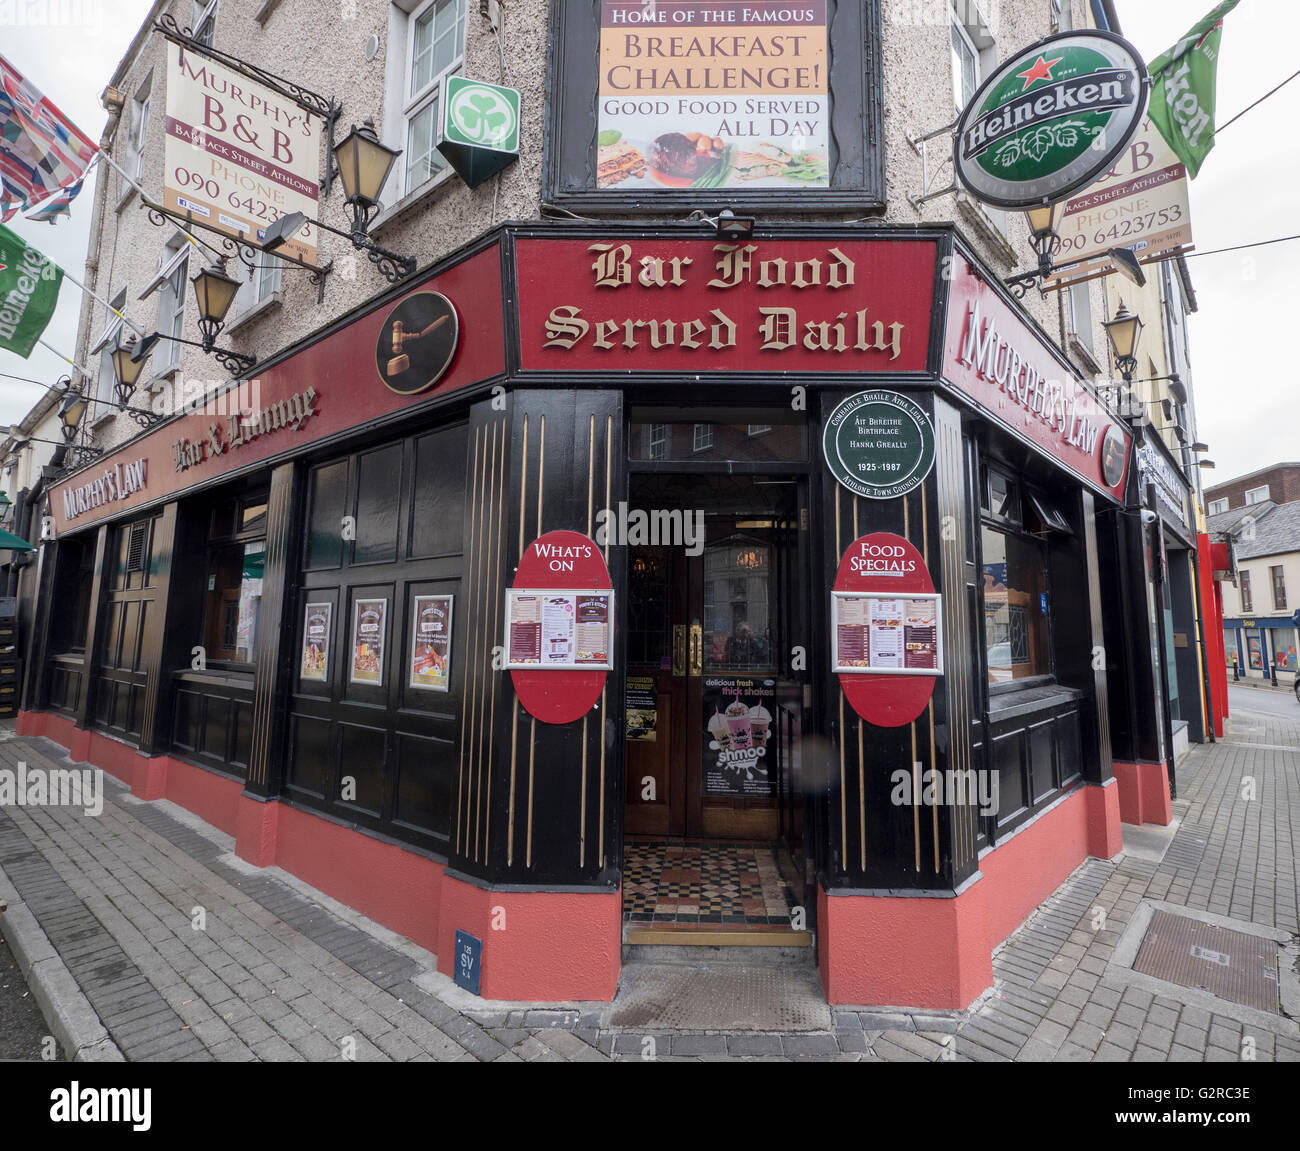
1229	964
721	997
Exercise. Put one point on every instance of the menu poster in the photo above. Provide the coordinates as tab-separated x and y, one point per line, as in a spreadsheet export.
369	626
316	640
641	707
559	629
887	634
431	643
738	727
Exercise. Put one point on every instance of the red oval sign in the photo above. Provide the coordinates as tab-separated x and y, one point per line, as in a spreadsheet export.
570	561
884	564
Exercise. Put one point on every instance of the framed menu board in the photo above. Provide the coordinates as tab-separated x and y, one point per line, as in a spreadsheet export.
887	634
316	641
559	629
431	642
369	629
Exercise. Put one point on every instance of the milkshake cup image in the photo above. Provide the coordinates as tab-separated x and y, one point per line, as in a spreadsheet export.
719	730
760	719
738	725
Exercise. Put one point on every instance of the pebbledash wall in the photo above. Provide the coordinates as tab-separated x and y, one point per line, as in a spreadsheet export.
460	804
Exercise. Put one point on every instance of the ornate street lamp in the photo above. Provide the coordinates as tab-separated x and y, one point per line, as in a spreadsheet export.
1043	219
215	292
1123	331
363	165
71	411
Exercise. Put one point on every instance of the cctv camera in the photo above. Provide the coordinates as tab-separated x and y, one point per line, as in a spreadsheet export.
1148	516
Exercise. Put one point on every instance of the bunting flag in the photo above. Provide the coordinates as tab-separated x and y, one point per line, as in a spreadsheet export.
57	205
1182	89
29	291
41	150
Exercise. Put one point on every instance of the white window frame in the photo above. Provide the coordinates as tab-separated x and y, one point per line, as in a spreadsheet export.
1254	496
413	104
1217	507
204	10
955	21
104	346
1244	592
979	38
1062	17
702	439
1081	325
657	442
171	306
1276	576
140	124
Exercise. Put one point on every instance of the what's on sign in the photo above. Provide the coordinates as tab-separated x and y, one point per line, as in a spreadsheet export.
879	444
1050	120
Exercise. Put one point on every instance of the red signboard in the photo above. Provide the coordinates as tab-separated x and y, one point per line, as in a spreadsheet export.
573	562
655	305
332	385
1011	373
886	565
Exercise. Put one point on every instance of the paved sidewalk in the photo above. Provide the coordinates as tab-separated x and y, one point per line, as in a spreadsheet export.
102	913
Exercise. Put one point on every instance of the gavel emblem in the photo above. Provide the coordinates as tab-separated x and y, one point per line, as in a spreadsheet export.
401	337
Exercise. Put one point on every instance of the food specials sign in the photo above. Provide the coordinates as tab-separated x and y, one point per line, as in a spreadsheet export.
708	94
1009	371
238	156
700	305
1051	119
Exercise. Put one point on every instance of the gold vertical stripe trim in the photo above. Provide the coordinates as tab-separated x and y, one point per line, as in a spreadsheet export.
609	467
591	468
532	751
844	812
510	806
541	465
480	628
916	807
469	680
601	826
523	488
862	799
493	674
582	801
480	685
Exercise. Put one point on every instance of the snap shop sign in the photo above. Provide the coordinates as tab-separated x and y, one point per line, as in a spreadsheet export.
1009	371
709	306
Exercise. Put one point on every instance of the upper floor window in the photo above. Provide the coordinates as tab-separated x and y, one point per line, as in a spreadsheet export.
435	46
104	346
703	437
1257	495
264	281
171	304
205	21
1062	18
1243	587
139	127
1216	506
1278	578
974	53
1080	301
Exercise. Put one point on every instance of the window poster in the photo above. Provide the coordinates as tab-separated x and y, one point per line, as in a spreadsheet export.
713	94
641	706
431	642
891	634
316	641
559	629
369	626
738	726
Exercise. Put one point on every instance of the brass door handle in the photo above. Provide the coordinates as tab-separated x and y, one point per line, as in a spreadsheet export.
697	649
679	649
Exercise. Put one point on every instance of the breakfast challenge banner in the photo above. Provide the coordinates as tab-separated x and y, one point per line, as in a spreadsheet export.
713	94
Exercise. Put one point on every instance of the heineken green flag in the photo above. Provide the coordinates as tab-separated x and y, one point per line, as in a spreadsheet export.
1182	90
29	290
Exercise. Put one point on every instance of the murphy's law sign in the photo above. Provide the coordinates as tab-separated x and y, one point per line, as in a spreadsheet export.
113	483
1051	119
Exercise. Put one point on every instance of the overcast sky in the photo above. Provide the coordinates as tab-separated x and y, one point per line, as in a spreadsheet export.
1246	390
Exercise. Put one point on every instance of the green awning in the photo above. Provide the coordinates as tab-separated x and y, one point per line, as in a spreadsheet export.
11	542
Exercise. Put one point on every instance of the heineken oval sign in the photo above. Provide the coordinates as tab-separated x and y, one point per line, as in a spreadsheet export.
879	444
1050	120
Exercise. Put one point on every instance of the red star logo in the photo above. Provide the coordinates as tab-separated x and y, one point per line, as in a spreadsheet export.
1042	70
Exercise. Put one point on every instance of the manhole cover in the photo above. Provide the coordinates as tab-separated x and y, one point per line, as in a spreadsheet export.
1230	964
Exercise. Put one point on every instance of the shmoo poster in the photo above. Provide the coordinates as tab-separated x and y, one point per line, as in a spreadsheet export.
431	643
369	626
738	722
316	640
713	94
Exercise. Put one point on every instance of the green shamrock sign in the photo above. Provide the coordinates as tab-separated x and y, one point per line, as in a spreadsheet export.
478	115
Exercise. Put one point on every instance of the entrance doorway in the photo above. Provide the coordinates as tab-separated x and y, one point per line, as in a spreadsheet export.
712	712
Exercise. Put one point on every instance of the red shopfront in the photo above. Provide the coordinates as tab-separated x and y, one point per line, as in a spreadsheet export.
359	725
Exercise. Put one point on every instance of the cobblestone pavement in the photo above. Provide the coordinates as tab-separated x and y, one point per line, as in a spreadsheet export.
281	972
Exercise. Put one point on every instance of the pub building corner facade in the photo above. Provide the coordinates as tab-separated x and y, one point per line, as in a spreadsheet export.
513	582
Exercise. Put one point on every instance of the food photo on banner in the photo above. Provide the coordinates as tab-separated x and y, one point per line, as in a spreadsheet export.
737	757
369	622
316	641
713	94
431	643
